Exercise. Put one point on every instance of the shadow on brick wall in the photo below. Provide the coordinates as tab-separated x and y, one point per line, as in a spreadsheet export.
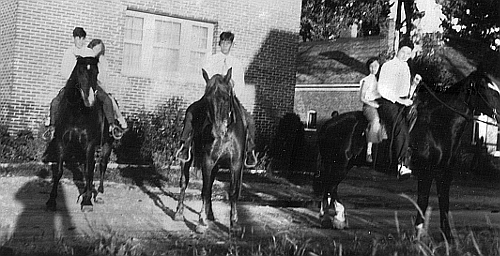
273	71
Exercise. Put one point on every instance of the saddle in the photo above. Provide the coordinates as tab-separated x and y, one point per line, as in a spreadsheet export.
378	134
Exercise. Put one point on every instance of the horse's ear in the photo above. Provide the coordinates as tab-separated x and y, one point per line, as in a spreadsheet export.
205	75
229	73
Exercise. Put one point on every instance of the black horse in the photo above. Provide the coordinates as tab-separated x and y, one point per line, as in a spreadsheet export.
219	142
79	131
434	141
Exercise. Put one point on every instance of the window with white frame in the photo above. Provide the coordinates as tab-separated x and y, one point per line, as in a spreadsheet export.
162	46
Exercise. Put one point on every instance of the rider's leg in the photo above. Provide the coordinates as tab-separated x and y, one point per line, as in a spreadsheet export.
118	114
53	115
391	113
107	106
372	131
250	159
185	140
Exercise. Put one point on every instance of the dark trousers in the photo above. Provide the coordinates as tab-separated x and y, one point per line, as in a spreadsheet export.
393	118
100	95
193	114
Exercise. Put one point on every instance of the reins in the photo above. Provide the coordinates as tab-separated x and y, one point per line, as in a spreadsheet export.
469	118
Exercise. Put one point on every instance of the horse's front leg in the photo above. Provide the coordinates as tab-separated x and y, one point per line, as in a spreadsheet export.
86	204
208	206
205	196
327	184
57	172
424	187
443	191
183	183
234	194
339	221
103	164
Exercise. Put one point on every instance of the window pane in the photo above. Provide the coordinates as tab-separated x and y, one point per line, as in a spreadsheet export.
168	33
134	28
196	60
166	60
132	57
200	37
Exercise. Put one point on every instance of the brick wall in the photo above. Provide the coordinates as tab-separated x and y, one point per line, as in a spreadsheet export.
8	11
325	102
266	42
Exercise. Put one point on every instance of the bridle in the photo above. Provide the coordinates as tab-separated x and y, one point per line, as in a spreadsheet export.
468	118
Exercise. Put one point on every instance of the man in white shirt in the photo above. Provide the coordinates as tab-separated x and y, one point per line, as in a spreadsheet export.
220	63
394	88
67	65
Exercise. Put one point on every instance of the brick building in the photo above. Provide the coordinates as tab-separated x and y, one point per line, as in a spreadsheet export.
328	74
154	49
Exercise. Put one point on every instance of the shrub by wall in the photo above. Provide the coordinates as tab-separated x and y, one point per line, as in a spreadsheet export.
153	137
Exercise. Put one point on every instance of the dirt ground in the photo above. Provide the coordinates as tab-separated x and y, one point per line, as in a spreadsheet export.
268	206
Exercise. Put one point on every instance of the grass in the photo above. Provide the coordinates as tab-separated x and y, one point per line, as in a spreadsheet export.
403	242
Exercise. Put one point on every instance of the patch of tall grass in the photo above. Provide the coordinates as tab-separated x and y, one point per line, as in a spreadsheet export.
466	242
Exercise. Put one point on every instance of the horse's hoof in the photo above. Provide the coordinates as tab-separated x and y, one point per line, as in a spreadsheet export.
178	216
201	229
337	224
87	208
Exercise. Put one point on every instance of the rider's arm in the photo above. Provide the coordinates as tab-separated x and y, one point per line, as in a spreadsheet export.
68	63
364	88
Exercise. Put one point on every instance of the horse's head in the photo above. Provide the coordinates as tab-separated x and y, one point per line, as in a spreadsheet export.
84	79
487	89
219	95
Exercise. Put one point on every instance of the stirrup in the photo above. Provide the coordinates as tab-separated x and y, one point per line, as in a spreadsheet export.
249	166
48	135
177	154
117	132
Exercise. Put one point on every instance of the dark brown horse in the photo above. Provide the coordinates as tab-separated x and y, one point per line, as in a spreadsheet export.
79	131
219	142
434	141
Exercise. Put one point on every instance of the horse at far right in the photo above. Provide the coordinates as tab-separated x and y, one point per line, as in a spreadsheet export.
434	141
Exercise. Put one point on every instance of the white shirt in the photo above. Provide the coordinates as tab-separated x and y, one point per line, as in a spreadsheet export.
220	63
394	80
102	76
69	59
369	91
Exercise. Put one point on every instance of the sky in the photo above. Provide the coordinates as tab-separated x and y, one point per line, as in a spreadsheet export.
431	21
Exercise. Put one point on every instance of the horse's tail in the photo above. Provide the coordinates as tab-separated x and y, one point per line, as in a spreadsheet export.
317	184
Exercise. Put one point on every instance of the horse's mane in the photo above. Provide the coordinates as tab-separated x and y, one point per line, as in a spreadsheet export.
84	73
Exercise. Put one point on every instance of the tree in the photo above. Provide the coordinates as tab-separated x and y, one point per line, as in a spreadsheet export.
325	19
473	19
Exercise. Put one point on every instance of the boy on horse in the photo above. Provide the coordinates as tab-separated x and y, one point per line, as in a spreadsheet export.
67	65
220	63
395	90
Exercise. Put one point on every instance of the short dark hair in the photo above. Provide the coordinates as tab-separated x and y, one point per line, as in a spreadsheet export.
370	61
406	42
226	36
79	32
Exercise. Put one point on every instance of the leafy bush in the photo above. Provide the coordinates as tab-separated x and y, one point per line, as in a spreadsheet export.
23	147
154	136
